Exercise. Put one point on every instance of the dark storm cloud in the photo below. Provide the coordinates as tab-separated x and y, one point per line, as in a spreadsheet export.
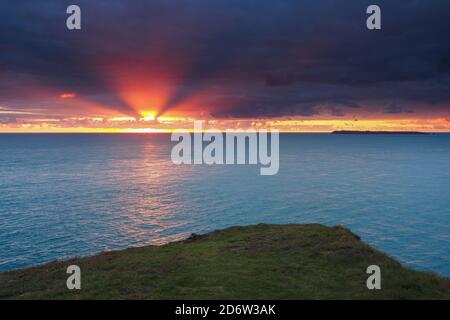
270	58
394	108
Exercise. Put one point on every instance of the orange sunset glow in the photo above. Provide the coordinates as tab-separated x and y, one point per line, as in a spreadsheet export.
231	72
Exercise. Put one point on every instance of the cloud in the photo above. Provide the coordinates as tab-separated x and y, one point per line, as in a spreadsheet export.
259	58
7	120
335	111
68	95
394	108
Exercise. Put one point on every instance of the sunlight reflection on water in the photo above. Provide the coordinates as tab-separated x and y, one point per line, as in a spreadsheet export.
73	195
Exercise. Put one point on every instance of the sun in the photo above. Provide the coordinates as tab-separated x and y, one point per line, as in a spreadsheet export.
148	116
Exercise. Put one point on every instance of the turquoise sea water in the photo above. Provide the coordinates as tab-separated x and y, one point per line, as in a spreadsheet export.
78	194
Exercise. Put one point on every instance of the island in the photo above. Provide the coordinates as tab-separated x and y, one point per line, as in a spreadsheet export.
262	261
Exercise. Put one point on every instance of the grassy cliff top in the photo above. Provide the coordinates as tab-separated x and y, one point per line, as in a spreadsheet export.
253	262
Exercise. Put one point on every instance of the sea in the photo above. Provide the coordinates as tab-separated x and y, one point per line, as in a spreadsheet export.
67	195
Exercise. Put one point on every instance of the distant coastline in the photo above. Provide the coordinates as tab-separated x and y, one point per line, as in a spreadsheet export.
377	132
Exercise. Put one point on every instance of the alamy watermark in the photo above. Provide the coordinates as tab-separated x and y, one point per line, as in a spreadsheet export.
240	147
74	280
73	21
374	280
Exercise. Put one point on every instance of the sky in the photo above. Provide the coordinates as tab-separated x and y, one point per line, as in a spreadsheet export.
156	65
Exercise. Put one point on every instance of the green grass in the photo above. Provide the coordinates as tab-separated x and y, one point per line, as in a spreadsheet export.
254	262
